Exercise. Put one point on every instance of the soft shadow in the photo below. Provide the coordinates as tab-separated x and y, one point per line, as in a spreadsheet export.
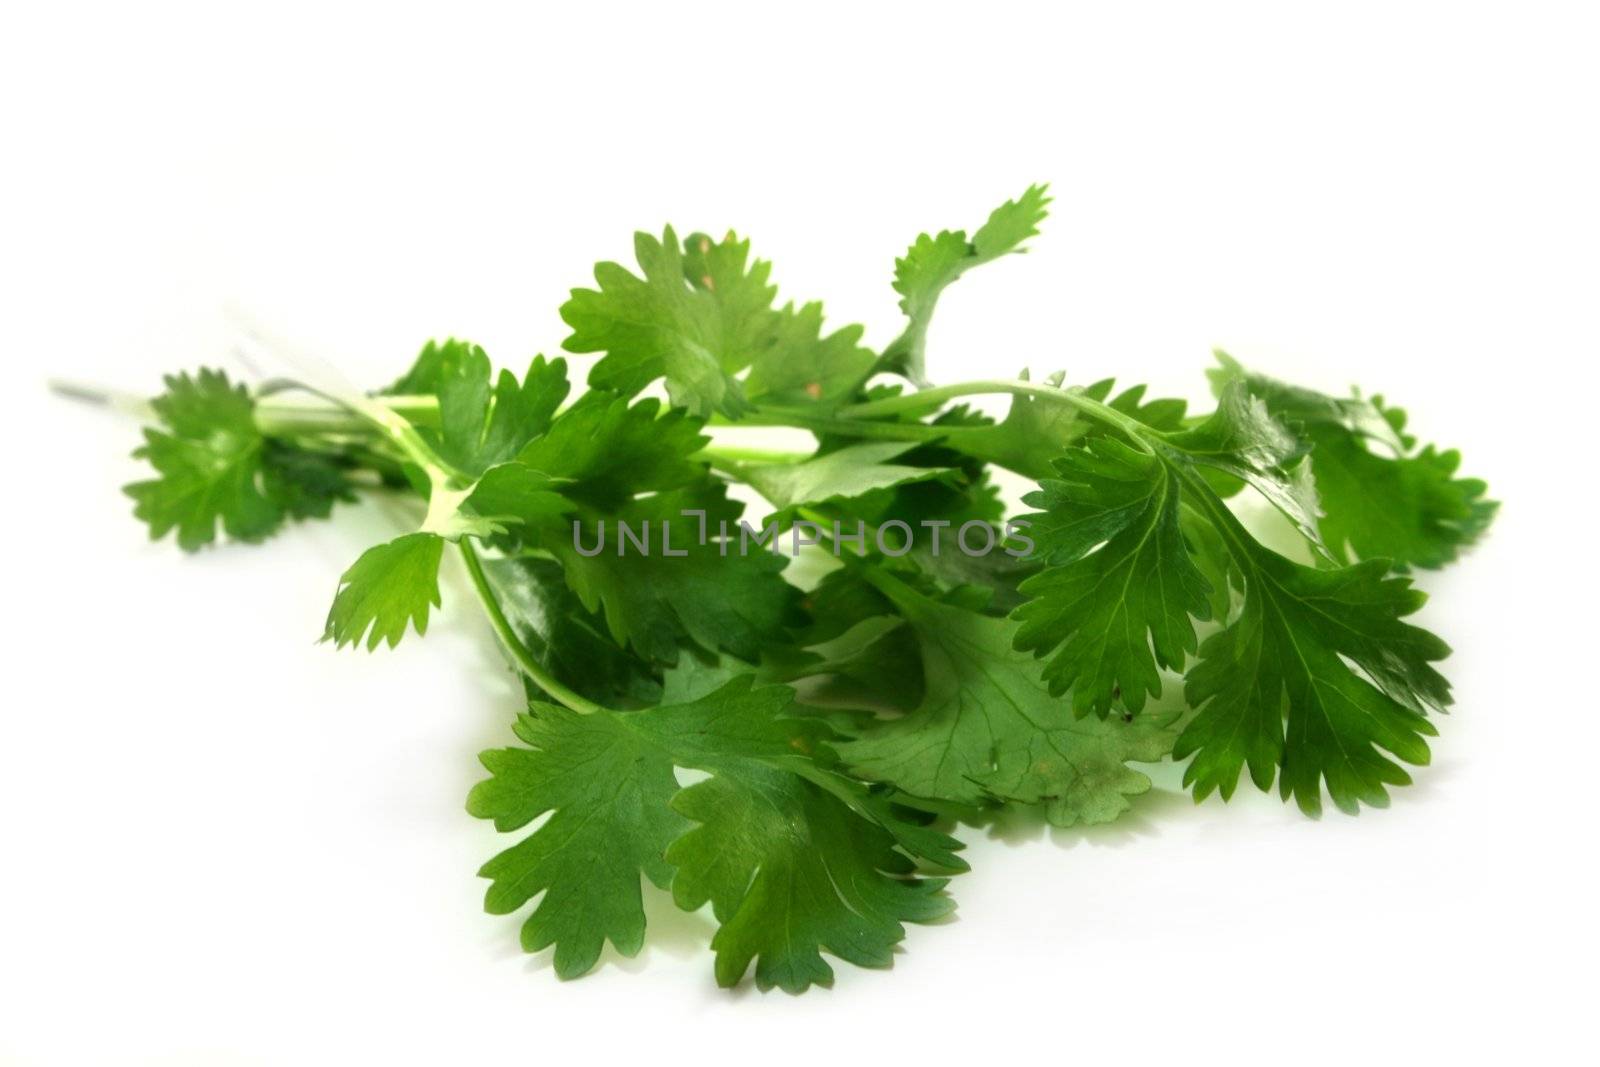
1425	782
1017	825
1141	822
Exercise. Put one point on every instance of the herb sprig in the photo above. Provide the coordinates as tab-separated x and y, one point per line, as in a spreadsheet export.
950	662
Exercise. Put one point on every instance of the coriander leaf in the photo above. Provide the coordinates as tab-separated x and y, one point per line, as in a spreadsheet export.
993	580
200	485
1316	673
841	600
794	857
215	468
1210	554
878	661
303	483
564	637
1162	413
988	727
1038	427
1032	433
694	320
1115	599
963	493
790	871
1398	503
956	497
698	675
1079	769
694	677
933	262
800	367
482	423
610	451
516	493
962	505
680	585
1283	674
743	724
423	376
850	471
390	586
479	427
607	790
205	404
1243	440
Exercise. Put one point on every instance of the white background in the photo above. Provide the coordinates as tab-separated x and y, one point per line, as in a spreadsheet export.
223	843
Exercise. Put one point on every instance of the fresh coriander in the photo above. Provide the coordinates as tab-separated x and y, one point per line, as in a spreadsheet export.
950	663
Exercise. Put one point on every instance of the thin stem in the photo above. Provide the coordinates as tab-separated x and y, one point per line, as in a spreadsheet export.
731	467
518	651
734	453
448	487
901	594
898	592
825	525
127	403
887	431
277	418
920	400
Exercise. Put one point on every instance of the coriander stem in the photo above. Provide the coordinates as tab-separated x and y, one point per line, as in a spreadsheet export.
733	468
518	651
887	431
901	594
825	524
714	452
914	401
128	403
275	418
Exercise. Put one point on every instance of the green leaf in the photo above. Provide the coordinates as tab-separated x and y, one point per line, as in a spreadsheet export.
391	586
564	637
516	493
1243	440
988	727
479	427
877	663
795	858
933	262
482	421
678	587
1115	599
790	871
304	484
1210	553
1382	497
607	789
958	496
1316	673
937	510
842	474
608	451
694	320
216	469
841	600
423	376
1039	428
800	367
1313	671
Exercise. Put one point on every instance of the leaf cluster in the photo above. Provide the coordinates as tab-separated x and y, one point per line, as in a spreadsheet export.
839	719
